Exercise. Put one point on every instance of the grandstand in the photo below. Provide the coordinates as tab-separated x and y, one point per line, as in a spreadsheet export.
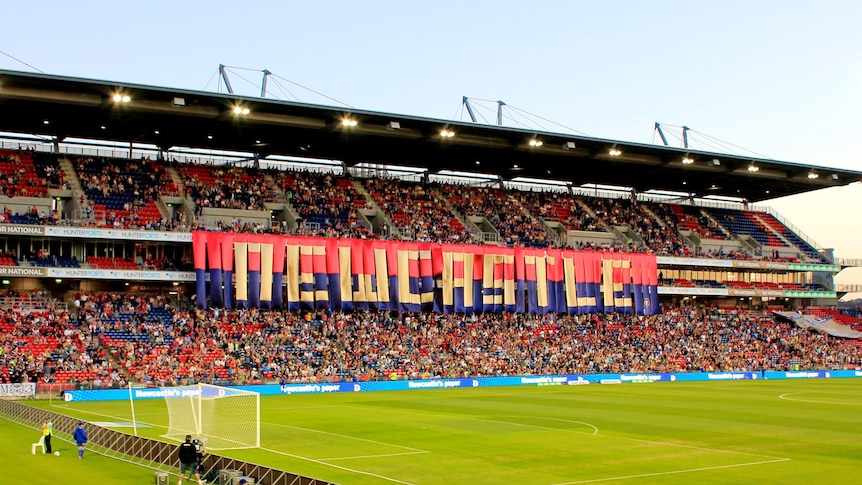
170	240
100	197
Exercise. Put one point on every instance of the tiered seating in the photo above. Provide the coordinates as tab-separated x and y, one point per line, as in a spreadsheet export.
18	176
559	207
690	218
326	201
55	262
708	284
683	283
789	235
835	315
48	168
742	222
101	262
123	192
416	212
739	285
227	187
502	210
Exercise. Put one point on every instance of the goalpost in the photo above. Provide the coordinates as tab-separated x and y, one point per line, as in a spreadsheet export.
222	417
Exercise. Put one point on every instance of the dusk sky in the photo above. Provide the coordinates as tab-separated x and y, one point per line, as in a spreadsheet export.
782	79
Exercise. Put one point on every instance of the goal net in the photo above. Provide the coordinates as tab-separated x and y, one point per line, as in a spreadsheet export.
224	417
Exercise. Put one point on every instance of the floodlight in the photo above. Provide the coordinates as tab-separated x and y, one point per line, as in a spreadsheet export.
753	168
686	160
813	175
615	152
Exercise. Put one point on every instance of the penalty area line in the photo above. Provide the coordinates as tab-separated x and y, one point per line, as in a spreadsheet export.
675	472
351	470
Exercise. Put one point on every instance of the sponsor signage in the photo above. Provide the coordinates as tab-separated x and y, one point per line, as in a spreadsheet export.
753	292
120	274
809	294
22	271
18	390
132	235
829	268
570	379
745	264
22	229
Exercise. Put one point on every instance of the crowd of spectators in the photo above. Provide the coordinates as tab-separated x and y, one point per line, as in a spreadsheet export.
40	342
227	186
110	338
328	204
416	212
21	177
502	209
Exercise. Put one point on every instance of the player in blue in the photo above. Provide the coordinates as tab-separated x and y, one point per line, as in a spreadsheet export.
80	437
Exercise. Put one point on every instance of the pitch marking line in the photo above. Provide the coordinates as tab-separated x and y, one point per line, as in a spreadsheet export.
348	436
388	479
675	472
786	398
595	429
66	406
373	456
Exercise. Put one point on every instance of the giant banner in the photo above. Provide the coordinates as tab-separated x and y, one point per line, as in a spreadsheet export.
313	273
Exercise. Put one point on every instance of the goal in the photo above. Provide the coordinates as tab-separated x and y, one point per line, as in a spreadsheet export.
223	417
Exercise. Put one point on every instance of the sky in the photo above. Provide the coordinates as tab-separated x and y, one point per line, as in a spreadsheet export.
782	79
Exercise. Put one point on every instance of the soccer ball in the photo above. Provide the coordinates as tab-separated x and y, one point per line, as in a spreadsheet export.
56	453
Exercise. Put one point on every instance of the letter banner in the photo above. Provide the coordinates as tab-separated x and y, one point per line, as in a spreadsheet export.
315	273
214	253
199	249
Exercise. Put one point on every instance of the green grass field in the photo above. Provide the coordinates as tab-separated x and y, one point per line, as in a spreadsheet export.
778	431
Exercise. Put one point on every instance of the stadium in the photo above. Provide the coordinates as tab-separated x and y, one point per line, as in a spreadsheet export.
258	272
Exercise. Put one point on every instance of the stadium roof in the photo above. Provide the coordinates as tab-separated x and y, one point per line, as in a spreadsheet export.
65	108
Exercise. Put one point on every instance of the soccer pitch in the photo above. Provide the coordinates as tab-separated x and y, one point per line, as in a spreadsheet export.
776	431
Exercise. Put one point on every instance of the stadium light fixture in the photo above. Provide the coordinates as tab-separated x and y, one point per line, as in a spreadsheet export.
813	175
615	152
535	142
46	122
239	110
687	160
394	125
348	122
570	145
121	98
834	176
446	133
715	162
753	168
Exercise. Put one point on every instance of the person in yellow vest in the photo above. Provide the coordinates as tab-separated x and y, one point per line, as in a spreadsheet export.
47	432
